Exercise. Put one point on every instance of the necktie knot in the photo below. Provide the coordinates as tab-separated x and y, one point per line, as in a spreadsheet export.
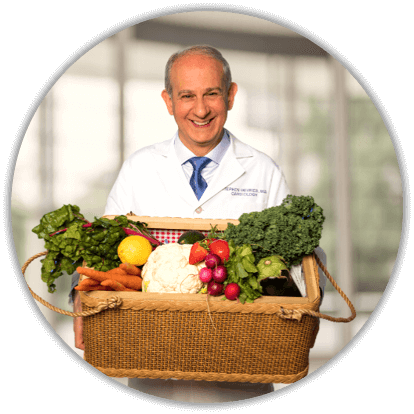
197	182
199	163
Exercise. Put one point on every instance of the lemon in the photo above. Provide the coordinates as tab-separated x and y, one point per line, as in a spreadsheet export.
134	250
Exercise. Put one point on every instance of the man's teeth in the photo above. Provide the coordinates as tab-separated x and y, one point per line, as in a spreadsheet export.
201	123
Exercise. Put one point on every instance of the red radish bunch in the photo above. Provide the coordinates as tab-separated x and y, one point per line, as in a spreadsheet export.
215	254
214	274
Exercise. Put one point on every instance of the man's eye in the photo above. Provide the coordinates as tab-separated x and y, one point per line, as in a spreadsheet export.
185	96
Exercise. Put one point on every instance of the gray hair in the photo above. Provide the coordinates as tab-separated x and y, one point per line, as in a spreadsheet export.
198	50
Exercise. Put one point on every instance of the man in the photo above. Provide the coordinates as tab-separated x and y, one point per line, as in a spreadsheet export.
154	181
202	172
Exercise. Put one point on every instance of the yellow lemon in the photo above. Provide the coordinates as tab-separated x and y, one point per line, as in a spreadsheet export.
134	250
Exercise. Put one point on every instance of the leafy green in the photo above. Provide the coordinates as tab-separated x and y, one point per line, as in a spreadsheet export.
70	240
242	270
58	219
291	230
271	266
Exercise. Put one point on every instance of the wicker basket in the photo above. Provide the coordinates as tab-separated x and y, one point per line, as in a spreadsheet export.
200	337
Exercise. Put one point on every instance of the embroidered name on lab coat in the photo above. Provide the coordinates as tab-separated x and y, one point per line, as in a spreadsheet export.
249	192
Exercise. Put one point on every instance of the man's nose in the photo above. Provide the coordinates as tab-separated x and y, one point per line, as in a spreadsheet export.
201	109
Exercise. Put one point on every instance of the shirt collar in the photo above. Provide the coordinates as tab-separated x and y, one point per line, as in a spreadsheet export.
216	154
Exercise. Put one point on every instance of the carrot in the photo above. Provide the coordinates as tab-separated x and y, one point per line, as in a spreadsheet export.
90	288
116	285
87	285
88	282
130	269
118	271
93	274
129	281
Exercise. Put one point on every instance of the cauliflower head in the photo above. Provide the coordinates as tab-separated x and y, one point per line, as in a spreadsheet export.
167	270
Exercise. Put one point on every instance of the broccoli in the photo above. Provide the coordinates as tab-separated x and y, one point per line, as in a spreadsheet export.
291	230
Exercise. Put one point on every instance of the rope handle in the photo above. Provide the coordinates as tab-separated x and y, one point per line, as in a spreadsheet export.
116	301
298	313
112	302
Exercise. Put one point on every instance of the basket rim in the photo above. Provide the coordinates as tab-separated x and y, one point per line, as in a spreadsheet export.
205	376
179	223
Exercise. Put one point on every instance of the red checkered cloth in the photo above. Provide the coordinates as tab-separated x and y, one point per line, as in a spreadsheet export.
169	235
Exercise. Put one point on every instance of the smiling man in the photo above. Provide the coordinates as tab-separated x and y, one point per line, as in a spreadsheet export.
199	98
204	171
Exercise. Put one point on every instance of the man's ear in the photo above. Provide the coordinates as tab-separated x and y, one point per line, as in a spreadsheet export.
168	101
231	94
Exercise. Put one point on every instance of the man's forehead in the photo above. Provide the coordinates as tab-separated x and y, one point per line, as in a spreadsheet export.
186	64
195	61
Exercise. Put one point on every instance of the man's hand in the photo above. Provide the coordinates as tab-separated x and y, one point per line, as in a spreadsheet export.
78	322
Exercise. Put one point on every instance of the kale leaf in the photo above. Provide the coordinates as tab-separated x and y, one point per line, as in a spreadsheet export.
291	230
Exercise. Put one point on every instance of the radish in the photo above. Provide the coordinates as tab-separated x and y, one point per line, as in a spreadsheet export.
214	288
220	274
212	260
205	274
232	291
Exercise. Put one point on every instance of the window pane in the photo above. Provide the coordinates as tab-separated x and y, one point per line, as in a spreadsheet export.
86	135
376	196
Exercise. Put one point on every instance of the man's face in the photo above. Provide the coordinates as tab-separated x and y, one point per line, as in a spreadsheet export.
199	101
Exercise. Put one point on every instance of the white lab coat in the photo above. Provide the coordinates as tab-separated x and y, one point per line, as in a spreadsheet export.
152	183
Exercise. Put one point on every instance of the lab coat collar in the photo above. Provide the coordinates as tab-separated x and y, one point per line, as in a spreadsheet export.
215	155
240	150
228	171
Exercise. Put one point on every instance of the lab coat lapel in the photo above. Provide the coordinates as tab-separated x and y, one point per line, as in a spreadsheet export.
228	171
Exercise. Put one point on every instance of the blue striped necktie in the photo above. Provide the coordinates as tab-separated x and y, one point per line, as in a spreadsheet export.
197	182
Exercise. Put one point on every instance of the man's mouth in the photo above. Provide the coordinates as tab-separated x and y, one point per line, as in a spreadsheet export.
202	124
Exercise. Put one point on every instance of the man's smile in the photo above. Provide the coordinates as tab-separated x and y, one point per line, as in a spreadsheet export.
201	124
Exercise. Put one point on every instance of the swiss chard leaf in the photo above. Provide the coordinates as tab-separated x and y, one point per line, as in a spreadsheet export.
69	243
57	219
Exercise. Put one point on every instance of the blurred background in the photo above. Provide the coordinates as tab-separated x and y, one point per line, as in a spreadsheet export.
295	102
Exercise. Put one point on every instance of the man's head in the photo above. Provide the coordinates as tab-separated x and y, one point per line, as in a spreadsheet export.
202	50
199	92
